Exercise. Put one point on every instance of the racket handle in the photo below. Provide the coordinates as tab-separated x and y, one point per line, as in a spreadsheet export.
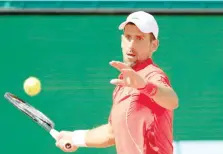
54	133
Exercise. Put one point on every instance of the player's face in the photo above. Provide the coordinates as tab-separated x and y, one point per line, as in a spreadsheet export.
137	46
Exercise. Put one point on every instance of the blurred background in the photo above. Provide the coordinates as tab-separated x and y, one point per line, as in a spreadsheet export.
68	45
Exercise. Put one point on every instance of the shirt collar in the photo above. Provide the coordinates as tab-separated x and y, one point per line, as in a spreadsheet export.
141	65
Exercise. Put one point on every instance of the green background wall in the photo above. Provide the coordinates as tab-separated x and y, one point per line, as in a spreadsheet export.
70	55
180	4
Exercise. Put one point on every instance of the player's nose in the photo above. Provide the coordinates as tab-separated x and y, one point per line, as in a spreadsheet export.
132	44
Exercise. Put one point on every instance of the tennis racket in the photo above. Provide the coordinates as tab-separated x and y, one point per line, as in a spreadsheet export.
35	115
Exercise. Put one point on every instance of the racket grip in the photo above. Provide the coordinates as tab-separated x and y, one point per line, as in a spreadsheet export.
54	133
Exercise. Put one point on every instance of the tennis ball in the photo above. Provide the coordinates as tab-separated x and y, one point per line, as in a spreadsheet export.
32	86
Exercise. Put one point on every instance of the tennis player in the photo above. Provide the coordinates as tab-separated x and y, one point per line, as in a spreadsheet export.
141	118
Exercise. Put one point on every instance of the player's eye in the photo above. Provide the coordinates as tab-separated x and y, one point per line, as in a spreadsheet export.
128	37
139	37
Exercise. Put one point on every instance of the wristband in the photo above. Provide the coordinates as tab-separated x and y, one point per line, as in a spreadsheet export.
150	89
78	138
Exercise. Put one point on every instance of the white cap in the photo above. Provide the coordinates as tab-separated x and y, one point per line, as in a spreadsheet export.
144	21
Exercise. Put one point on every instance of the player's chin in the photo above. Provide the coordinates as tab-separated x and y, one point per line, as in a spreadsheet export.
130	59
130	62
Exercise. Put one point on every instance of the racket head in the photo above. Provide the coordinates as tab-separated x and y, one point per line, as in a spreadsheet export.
37	116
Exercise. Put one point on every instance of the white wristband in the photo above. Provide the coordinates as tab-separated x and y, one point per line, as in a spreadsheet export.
78	138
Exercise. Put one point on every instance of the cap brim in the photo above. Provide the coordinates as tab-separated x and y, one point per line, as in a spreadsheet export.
123	24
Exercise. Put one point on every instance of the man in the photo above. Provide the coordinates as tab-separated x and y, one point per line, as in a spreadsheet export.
143	100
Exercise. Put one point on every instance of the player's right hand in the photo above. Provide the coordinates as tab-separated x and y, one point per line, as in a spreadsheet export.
63	138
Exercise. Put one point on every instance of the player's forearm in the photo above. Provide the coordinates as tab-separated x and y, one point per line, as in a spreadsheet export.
99	137
166	97
162	95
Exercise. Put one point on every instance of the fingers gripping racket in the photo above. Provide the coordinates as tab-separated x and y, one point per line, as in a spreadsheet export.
35	115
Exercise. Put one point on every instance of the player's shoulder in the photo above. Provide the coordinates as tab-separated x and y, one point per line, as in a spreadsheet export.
151	69
154	72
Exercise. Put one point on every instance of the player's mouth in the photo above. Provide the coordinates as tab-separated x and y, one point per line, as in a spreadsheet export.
131	54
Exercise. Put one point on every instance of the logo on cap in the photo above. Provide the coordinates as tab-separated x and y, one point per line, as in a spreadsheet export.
135	18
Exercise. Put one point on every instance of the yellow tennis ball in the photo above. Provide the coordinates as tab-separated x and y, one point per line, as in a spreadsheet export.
32	86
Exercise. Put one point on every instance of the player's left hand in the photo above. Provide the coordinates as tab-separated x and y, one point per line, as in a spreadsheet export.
130	77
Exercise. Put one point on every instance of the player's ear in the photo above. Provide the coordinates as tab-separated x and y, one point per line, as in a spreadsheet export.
122	38
155	45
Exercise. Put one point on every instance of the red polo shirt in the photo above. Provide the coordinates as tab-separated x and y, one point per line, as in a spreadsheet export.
139	124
